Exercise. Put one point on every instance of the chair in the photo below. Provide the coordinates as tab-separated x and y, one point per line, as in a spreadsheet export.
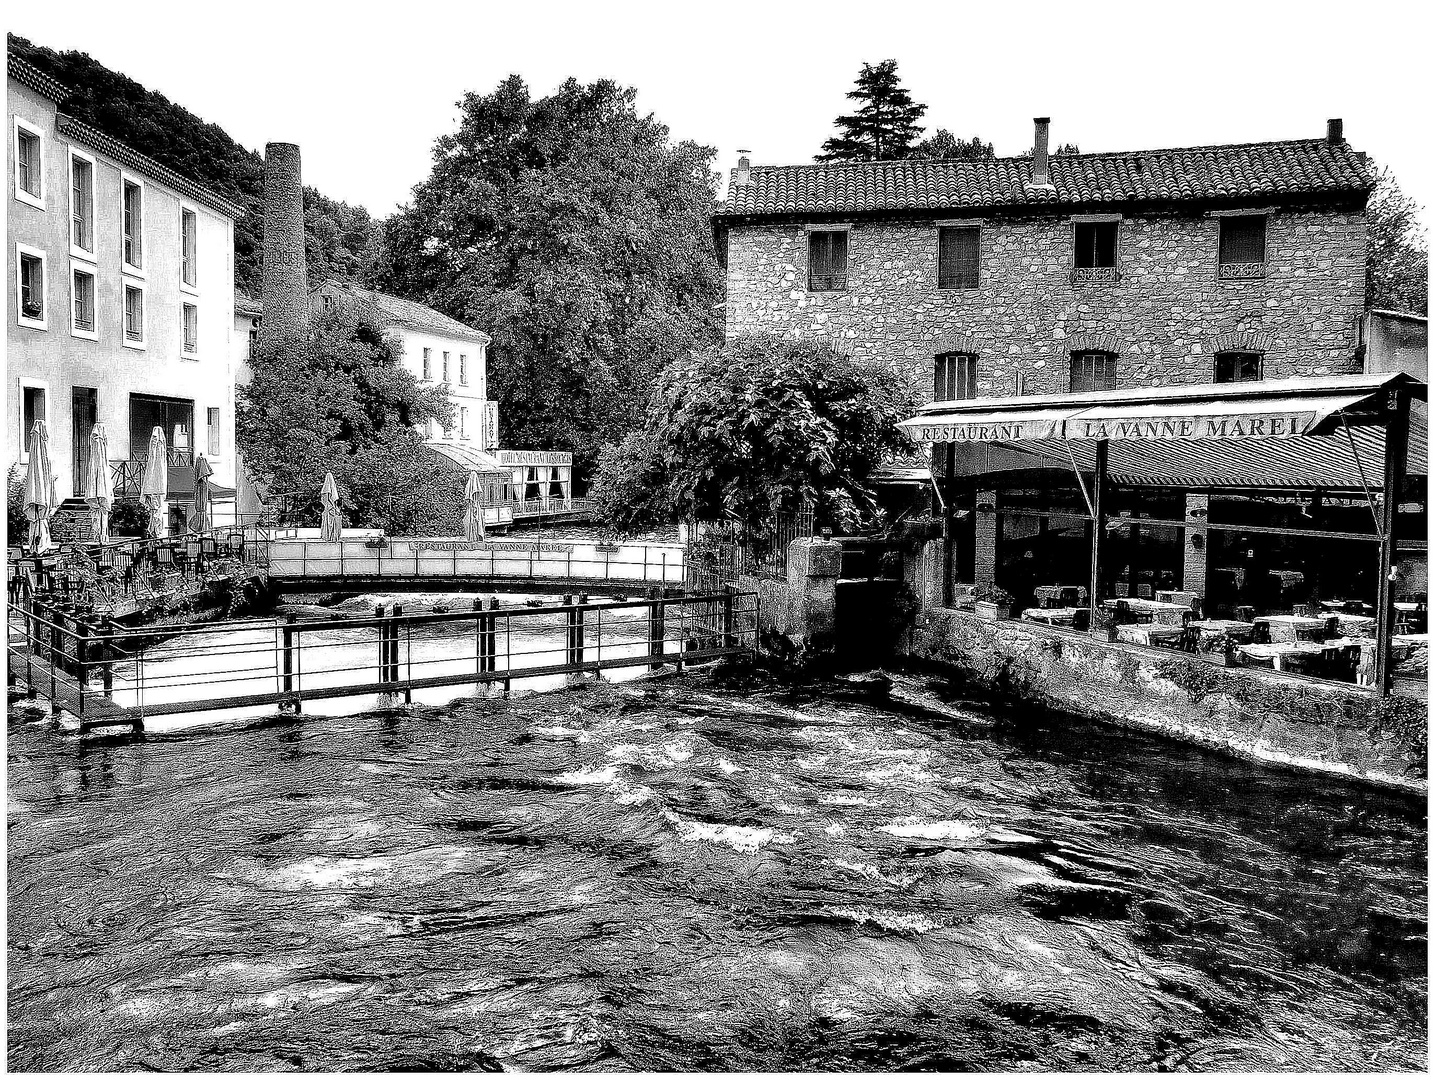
1245	613
1144	592
1123	589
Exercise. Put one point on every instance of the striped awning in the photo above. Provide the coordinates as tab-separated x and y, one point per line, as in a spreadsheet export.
1284	433
468	458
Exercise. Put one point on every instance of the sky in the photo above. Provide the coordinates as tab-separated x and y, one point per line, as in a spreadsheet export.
365	90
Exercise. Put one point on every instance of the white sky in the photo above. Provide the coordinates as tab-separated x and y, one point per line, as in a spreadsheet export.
365	89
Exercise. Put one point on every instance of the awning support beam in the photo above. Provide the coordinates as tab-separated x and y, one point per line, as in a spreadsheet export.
1360	469
1098	525
1080	483
1396	445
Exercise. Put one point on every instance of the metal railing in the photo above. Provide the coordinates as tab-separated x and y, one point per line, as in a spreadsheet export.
105	674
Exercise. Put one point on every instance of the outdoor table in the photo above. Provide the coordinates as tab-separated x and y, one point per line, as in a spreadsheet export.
1151	610
1151	633
1212	634
1289	628
1355	625
1177	596
1411	653
1059	595
1287	655
1057	616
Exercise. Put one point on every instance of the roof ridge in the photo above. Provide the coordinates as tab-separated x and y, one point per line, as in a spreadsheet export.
31	75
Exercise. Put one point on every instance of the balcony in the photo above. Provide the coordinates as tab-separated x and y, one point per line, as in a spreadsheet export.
1244	271
1095	275
129	474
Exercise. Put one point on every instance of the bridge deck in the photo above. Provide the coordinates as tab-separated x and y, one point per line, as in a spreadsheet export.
61	689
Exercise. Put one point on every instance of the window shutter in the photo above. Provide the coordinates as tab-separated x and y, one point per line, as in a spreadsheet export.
1243	239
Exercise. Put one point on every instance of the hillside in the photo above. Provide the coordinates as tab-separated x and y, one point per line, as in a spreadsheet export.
338	234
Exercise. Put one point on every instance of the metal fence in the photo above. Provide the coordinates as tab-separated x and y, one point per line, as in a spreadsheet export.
755	548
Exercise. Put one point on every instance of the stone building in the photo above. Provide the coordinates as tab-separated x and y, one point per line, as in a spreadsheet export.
1066	272
121	278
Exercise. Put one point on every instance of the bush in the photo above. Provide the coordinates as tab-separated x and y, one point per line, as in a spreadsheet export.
129	517
17	524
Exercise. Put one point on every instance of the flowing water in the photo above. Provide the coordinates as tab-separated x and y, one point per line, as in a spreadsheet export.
718	871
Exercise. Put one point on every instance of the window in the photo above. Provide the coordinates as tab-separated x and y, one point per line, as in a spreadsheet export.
253	341
463	369
955	378
188	244
212	416
958	257
330	302
82	288
32	408
1238	367
463	423
445	367
428	364
1243	247
82	204
191	330
1092	371
132	223
827	260
30	300
1095	251
29	166
134	315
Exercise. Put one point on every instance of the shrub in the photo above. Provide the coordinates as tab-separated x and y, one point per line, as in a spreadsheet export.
129	517
16	524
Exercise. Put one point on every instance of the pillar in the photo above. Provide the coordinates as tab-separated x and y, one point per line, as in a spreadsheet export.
986	540
1195	546
1396	439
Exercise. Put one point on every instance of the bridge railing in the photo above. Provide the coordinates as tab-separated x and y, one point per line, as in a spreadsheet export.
448	558
105	673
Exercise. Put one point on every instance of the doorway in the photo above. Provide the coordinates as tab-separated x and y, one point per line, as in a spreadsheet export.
84	412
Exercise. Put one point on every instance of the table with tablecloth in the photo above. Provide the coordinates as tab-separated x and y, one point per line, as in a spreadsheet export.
1153	610
1300	657
1152	633
1057	616
1212	635
1287	628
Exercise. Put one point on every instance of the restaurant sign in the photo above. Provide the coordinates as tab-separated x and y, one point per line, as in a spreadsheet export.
986	430
1242	427
535	457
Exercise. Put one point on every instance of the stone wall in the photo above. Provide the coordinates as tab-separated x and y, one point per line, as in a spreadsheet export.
1259	716
797	618
1165	317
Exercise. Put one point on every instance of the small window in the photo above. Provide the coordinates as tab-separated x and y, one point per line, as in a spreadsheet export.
1095	252
827	260
132	212
955	378
253	342
189	247
958	258
428	364
33	409
1092	371
1243	247
1238	367
134	315
330	302
191	329
463	369
213	431
29	166
445	367
32	289
83	289
82	204
463	423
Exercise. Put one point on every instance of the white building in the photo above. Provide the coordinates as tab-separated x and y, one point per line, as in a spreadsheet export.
121	274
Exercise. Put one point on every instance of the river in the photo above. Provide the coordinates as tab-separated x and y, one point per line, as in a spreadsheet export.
717	871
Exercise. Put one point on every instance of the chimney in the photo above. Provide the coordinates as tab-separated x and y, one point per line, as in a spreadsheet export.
1040	173
744	169
1335	131
286	280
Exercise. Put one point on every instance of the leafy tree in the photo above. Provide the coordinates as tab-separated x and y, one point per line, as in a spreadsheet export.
1398	268
1057	151
578	236
350	408
756	426
884	126
338	234
945	146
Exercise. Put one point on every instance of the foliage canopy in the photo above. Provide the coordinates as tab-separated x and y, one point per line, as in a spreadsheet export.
885	125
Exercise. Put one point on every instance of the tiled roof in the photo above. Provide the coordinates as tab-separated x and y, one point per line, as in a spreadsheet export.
27	74
411	314
112	148
1200	173
244	304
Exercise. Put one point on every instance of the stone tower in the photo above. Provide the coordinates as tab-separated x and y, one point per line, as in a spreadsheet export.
285	325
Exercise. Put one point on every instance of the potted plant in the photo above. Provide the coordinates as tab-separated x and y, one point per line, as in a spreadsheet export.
993	602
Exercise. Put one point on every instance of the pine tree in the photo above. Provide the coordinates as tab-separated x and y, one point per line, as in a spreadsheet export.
884	126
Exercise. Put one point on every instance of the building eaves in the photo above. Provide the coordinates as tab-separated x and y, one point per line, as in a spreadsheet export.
27	74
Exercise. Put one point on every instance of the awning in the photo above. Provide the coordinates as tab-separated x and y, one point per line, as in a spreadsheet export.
468	458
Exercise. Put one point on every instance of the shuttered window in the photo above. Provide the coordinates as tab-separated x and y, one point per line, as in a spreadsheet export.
132	211
82	204
28	162
955	377
84	296
134	313
1243	246
1238	367
959	257
827	260
1092	371
188	247
1095	244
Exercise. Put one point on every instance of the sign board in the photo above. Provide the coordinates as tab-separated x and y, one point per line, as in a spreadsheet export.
979	430
535	457
497	547
1240	427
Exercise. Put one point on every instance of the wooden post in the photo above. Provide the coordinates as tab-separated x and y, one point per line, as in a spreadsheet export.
383	642
1396	445
478	636
107	667
1098	525
288	658
657	632
949	525
490	646
394	649
729	624
579	618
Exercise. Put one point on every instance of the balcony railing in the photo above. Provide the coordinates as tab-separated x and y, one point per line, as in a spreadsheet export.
1249	271
1095	275
129	474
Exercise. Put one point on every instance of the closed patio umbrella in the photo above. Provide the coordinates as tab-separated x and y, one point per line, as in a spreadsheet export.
199	520
473	527
99	485
331	525
154	486
40	494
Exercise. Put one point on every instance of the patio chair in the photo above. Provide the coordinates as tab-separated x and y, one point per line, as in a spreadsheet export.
1144	592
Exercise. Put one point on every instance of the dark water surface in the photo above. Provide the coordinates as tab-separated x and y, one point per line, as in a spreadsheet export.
701	873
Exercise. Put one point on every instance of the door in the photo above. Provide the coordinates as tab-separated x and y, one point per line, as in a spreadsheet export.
84	411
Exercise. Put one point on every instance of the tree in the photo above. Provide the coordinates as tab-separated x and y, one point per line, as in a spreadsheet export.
1397	269
349	408
578	236
945	146
756	426
885	125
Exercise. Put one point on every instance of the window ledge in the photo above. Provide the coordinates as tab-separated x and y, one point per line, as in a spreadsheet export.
1242	271
130	270
77	252
186	287
140	345
88	335
37	201
33	324
1095	275
189	356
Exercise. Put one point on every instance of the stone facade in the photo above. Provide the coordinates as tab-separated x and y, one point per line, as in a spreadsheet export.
1165	318
286	275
